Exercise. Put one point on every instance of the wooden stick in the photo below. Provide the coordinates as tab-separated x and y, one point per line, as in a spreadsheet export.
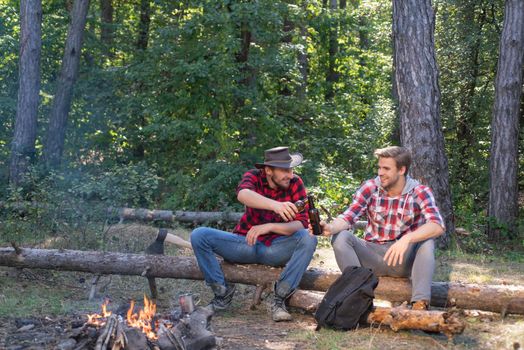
94	282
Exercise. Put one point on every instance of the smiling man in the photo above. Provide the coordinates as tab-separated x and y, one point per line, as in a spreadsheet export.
403	221
271	232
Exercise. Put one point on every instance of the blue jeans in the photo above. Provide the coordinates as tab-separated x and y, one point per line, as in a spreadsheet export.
294	252
418	262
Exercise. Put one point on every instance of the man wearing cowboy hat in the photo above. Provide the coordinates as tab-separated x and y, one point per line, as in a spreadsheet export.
271	232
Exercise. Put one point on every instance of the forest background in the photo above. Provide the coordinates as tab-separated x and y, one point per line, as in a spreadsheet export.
173	101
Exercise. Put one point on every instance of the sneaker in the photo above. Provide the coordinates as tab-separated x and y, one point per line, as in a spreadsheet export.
223	296
157	247
420	305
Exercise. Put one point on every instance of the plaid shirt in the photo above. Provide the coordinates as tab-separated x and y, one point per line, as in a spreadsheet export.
256	181
389	218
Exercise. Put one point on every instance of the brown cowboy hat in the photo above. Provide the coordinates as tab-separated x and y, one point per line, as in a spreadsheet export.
279	157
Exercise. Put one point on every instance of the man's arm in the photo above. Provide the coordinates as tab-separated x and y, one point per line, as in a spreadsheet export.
250	198
433	227
282	228
395	253
350	216
334	226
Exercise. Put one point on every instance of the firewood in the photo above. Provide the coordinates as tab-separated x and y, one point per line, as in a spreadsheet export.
396	318
430	321
120	339
495	298
107	332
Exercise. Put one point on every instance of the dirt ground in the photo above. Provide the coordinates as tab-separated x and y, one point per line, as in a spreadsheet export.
37	308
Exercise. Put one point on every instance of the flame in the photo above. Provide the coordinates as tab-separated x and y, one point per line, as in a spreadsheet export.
99	319
144	320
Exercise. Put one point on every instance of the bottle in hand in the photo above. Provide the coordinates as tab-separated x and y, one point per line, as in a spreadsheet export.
314	217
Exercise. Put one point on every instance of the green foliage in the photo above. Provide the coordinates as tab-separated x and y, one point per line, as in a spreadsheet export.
130	185
216	183
175	124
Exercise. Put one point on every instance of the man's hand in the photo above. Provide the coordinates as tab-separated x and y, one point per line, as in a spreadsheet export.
286	210
396	252
255	231
325	228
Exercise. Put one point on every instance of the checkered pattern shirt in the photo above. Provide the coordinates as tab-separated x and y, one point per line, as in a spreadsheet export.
389	218
256	180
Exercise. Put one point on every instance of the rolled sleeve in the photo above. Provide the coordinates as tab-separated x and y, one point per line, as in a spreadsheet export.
360	202
428	206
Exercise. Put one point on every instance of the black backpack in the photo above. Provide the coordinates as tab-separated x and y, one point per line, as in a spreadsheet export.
348	300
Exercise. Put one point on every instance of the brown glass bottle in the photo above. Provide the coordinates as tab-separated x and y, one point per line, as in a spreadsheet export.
314	217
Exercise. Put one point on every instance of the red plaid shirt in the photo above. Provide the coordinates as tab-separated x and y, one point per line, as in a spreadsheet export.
256	180
389	218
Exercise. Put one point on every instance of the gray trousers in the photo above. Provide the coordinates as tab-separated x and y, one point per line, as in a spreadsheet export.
418	262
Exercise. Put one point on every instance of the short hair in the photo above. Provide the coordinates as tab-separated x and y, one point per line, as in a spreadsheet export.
401	155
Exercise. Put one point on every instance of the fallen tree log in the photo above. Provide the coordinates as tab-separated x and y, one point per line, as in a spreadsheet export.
495	298
396	318
142	214
170	216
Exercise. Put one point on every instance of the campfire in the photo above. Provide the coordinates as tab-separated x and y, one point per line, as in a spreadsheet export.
185	328
144	320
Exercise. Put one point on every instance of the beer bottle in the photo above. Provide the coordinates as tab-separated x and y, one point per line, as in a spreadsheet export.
314	217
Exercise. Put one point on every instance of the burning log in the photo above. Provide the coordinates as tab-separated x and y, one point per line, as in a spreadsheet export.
396	318
142	214
495	298
108	331
185	328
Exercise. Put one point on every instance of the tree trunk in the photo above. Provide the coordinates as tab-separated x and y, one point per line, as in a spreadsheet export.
106	30
247	73
396	318
416	74
496	298
139	121
332	75
54	146
303	63
24	138
143	27
503	188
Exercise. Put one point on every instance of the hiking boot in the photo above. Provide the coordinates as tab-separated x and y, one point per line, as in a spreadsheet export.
278	310
223	296
420	305
157	247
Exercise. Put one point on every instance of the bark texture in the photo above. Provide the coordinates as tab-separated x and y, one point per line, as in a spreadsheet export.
503	189
495	298
54	146
24	138
416	75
